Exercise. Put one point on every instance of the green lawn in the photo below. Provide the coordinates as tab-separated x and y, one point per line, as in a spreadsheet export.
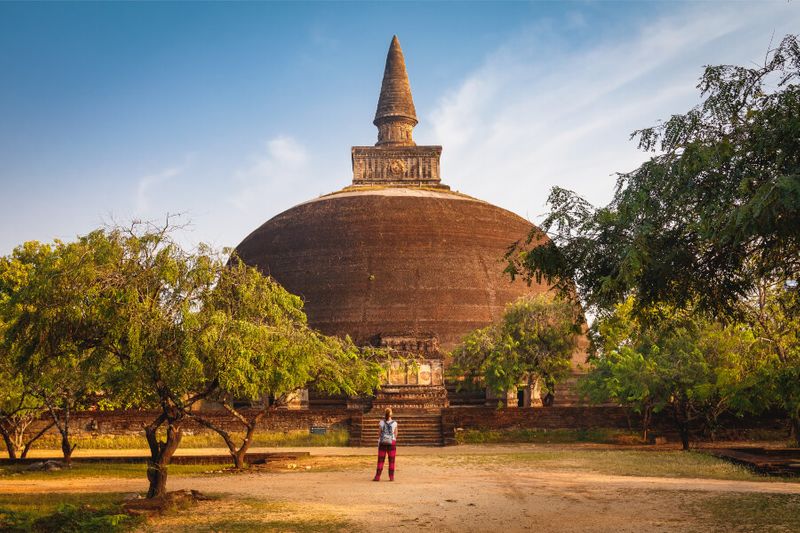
64	512
294	438
117	470
101	512
744	512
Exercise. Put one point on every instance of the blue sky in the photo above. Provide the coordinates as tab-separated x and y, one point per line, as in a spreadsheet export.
233	112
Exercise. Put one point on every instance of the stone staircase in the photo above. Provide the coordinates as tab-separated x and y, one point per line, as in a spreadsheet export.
414	428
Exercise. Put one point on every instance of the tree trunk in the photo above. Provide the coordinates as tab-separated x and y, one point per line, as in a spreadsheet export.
66	448
682	421
10	448
796	428
237	454
684	430
248	438
63	428
238	458
160	455
646	416
33	439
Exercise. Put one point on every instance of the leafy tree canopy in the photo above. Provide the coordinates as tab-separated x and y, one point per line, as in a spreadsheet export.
127	317
776	327
50	305
713	212
535	338
673	360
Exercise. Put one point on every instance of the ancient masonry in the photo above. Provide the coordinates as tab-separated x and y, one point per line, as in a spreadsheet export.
396	259
396	160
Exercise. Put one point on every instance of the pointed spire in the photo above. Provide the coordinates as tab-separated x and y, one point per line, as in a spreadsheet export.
395	116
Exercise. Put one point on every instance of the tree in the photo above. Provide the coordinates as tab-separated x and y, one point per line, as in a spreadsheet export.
19	409
52	329
253	334
155	290
187	328
535	339
776	328
670	360
704	221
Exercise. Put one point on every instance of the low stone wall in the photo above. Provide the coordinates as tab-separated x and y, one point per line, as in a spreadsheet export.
543	417
607	417
132	422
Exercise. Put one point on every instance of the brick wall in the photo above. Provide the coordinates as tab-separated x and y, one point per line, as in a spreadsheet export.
567	417
590	417
132	422
545	418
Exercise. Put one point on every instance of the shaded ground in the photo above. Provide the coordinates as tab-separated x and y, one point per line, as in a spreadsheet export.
509	488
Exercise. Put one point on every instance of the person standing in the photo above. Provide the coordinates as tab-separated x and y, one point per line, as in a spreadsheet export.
387	444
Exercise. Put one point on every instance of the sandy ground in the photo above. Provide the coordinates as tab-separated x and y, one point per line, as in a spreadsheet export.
437	491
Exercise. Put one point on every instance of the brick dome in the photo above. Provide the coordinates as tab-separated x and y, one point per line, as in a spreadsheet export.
393	261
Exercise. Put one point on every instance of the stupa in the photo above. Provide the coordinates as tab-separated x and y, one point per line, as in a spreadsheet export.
396	259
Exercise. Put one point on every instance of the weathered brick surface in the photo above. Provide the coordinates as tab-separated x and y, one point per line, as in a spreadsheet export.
545	418
589	417
132	422
572	417
376	263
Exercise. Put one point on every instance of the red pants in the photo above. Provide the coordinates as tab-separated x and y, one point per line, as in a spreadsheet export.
383	450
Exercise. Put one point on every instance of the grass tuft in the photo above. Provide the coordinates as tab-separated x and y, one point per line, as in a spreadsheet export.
64	512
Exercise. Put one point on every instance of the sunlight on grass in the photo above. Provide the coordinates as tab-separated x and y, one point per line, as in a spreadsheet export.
620	462
57	511
251	514
102	512
277	439
113	470
753	512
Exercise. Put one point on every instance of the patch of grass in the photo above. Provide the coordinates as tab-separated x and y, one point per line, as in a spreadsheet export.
102	512
276	439
252	514
545	436
64	512
289	524
116	470
749	511
623	462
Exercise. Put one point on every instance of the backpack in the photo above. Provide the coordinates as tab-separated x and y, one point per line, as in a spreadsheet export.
387	432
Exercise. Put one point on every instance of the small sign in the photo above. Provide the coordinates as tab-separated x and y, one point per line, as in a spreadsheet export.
318	430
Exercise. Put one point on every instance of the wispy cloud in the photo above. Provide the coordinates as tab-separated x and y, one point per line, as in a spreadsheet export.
277	172
146	184
533	116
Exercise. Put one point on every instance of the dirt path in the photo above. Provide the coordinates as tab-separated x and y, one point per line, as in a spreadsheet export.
430	494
